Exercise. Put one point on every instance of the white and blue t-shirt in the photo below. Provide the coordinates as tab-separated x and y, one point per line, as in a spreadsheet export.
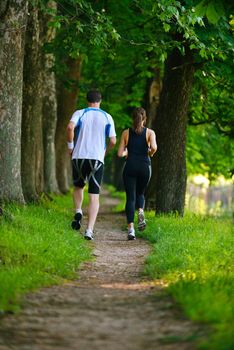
92	126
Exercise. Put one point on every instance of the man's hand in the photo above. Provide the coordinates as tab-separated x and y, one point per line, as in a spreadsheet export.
111	144
70	151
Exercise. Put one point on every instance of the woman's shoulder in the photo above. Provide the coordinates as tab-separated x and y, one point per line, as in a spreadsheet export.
125	132
150	131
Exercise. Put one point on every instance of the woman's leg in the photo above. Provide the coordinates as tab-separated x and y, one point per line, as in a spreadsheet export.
130	188
141	183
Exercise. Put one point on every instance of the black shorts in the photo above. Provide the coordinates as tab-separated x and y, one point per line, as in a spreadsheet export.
90	170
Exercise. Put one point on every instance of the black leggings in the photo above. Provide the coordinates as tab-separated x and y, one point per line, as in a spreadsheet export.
135	177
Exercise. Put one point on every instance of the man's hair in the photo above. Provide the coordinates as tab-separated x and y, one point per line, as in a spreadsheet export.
94	96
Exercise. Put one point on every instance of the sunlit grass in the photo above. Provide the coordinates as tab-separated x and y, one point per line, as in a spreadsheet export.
194	255
37	248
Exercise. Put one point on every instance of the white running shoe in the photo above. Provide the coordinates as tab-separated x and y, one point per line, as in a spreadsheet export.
88	235
131	234
141	221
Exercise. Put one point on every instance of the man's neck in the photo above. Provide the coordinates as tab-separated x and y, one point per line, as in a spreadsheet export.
94	105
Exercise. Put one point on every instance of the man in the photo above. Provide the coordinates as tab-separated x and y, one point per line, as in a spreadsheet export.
86	136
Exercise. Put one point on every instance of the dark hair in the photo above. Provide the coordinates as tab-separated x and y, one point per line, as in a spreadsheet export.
93	96
139	116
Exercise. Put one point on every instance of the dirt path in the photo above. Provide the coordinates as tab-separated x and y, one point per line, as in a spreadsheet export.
110	306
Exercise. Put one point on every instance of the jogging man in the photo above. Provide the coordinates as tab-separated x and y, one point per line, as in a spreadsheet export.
86	135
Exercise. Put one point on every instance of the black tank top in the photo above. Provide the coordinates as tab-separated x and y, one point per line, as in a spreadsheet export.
137	146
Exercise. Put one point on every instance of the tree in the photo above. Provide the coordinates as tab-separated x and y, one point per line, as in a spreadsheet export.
190	48
13	16
189	33
32	137
171	124
78	27
49	103
67	100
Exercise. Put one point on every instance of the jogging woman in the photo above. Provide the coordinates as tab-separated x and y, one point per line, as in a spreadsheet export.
137	144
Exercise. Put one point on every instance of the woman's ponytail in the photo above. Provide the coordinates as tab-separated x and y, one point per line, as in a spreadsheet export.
139	116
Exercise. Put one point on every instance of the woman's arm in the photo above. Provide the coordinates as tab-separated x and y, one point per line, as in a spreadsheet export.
122	151
152	143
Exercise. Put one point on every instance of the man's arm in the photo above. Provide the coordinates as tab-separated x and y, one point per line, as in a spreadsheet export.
70	136
111	144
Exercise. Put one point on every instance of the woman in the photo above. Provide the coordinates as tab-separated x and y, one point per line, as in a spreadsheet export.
136	144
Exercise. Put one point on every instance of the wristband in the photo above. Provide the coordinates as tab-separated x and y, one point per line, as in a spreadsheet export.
70	145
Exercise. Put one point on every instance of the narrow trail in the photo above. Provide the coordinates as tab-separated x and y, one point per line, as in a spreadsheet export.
111	306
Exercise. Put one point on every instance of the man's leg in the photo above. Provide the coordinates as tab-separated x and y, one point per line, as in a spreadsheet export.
78	199
94	175
78	196
92	210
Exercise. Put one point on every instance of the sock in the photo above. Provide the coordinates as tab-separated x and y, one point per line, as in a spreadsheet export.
89	230
79	211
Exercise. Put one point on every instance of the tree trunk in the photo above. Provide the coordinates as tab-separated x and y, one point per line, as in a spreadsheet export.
32	145
49	108
67	99
13	16
170	127
152	97
152	102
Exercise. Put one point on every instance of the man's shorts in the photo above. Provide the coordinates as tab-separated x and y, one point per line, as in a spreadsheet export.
90	170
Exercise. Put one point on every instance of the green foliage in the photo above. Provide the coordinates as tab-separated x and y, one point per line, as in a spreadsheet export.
209	152
38	248
121	44
210	146
194	255
213	10
79	27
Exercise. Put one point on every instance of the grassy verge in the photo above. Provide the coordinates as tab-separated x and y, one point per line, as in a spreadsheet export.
37	248
194	255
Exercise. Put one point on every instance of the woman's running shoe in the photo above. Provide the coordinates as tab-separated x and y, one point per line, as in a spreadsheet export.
141	221
131	234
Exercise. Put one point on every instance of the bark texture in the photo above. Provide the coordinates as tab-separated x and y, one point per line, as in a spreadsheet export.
13	16
49	107
67	99
170	127
32	139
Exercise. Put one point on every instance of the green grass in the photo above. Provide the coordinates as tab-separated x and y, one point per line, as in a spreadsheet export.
194	255
37	248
